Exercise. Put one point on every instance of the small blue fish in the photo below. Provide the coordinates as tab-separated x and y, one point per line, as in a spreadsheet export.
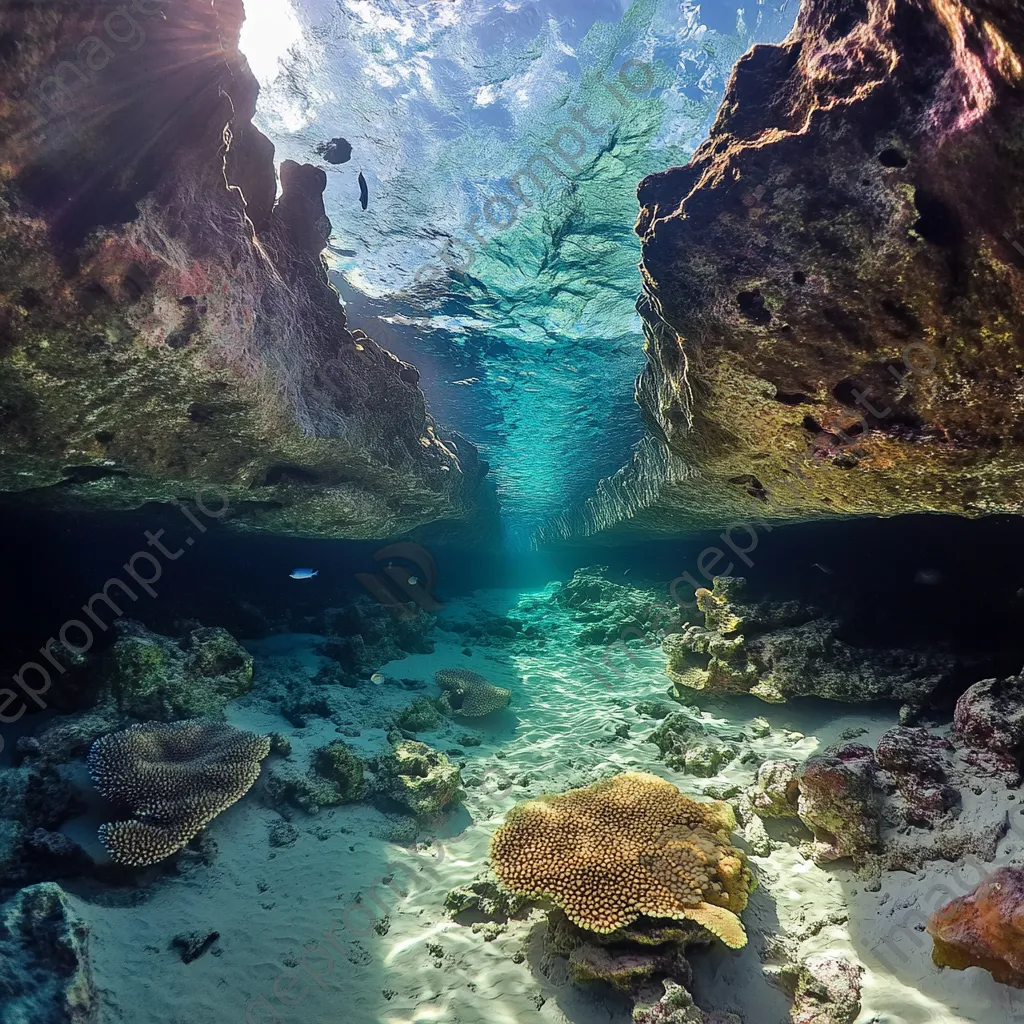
303	574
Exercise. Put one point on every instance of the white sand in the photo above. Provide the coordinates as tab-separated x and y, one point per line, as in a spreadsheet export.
269	903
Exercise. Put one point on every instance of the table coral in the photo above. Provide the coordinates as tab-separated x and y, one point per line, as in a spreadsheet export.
175	778
629	846
984	929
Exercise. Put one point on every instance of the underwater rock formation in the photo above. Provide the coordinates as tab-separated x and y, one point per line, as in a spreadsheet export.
336	777
628	959
485	896
918	765
420	779
989	717
676	1006
985	928
45	974
175	779
362	635
776	790
167	330
631	846
148	676
824	990
780	650
840	803
609	611
469	694
833	289
688	747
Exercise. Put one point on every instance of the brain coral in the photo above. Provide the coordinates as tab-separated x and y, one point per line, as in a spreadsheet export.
470	694
629	846
175	777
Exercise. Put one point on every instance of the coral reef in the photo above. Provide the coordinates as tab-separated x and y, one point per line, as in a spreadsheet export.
148	676
469	694
175	779
984	928
780	650
831	286
167	337
422	780
627	847
687	746
45	974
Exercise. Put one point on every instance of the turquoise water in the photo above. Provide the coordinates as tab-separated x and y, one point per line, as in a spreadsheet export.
517	307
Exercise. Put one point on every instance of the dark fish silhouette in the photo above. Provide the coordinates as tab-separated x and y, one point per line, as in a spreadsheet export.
335	151
364	192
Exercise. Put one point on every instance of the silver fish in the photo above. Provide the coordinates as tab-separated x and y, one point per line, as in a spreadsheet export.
303	574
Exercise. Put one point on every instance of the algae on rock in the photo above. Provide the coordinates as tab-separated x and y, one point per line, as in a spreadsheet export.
419	778
148	676
781	650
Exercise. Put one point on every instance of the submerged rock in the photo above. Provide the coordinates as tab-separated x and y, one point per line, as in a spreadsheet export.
336	777
165	337
688	746
824	989
832	286
485	896
840	803
148	676
45	974
985	928
989	717
781	650
422	780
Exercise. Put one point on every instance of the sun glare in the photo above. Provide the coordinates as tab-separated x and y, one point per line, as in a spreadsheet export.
271	28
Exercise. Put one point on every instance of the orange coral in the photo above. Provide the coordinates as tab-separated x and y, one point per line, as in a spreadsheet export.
985	928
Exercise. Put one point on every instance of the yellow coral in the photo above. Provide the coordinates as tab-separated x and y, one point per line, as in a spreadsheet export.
175	778
470	694
627	847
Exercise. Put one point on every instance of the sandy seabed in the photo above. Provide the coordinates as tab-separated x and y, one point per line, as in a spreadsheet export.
341	925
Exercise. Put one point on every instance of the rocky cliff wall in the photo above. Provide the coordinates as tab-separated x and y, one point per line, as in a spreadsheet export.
166	323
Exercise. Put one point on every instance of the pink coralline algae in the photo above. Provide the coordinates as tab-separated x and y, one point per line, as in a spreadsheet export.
989	718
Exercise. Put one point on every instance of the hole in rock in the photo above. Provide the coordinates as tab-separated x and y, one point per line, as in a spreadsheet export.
752	307
938	223
792	398
844	391
892	158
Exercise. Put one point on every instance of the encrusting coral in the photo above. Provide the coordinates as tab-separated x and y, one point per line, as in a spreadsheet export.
176	778
469	694
627	847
